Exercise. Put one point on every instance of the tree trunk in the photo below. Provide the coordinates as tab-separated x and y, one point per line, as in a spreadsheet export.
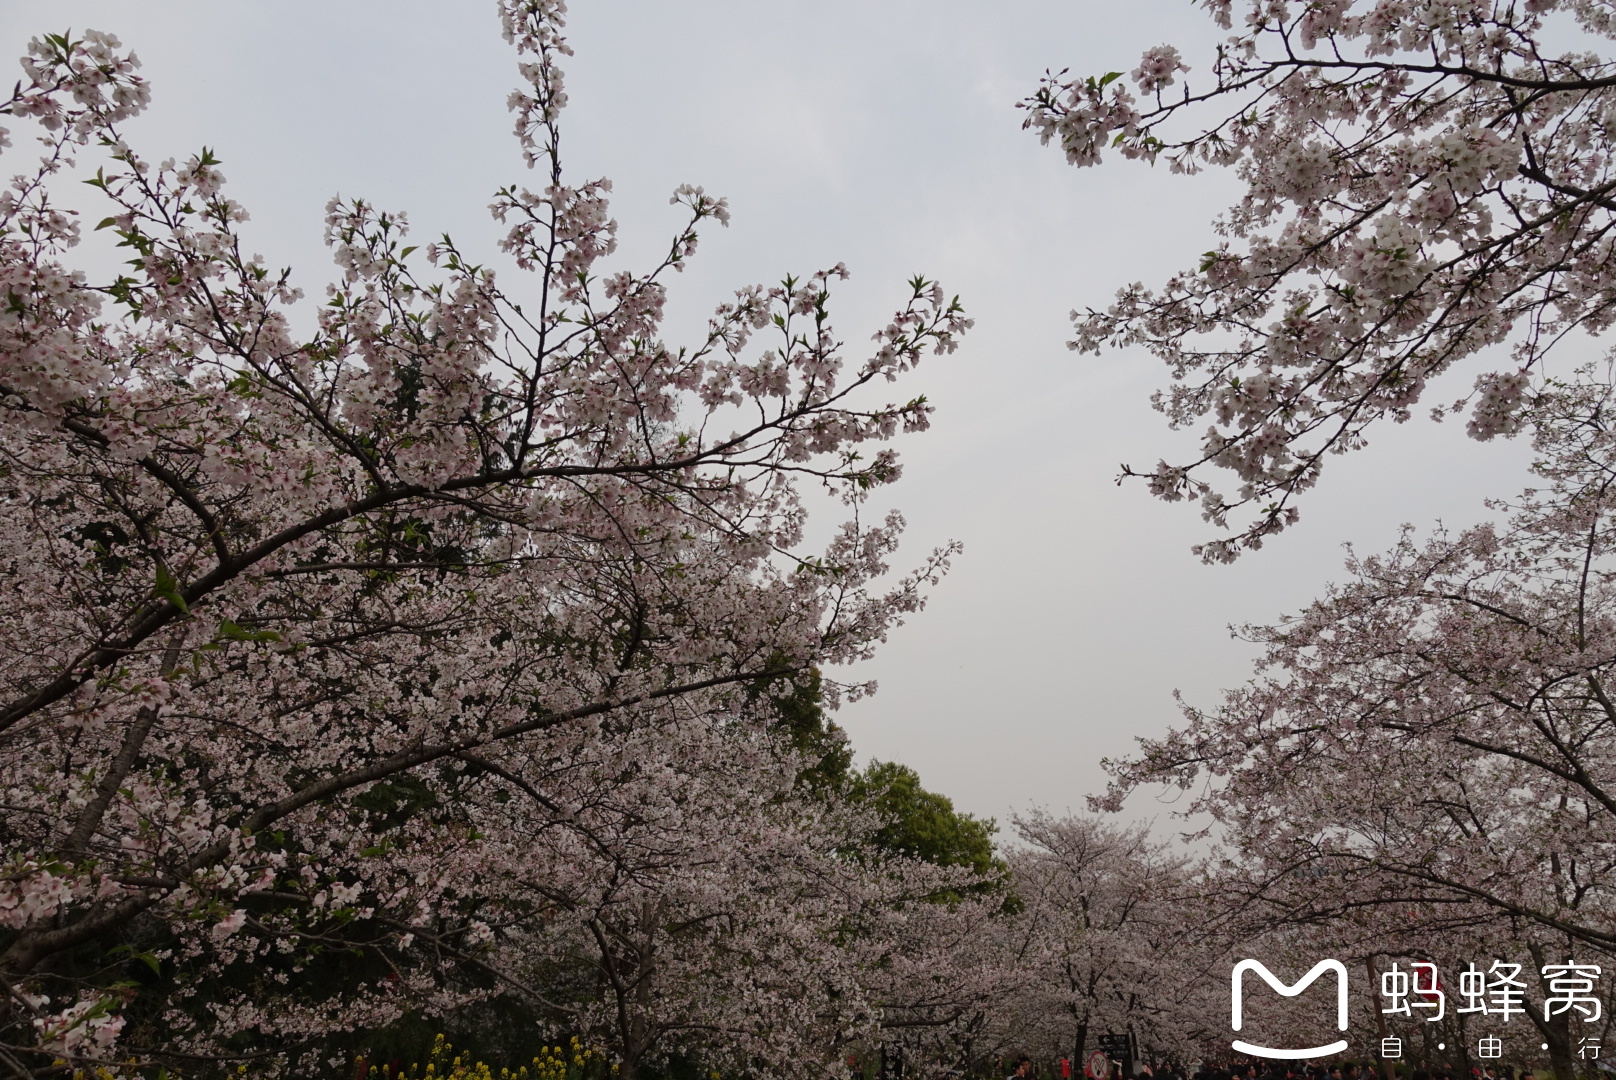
1557	1033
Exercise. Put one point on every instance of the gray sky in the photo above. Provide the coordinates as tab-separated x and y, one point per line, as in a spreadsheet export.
881	133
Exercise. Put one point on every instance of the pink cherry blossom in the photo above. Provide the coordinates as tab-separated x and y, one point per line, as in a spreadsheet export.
371	637
1425	182
1422	765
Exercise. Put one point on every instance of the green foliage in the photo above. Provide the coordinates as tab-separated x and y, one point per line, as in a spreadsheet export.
168	588
922	823
795	710
919	823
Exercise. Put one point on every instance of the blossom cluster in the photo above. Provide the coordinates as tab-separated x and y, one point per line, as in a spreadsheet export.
1425	182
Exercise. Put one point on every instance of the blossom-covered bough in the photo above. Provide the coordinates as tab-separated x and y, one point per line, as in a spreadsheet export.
1425	764
771	952
287	608
1426	180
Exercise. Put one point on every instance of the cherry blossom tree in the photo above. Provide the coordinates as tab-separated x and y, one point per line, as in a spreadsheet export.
283	603
1426	181
1113	937
1434	742
703	905
940	971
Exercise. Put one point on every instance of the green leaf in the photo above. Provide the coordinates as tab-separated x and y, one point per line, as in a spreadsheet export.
230	631
144	957
106	223
169	589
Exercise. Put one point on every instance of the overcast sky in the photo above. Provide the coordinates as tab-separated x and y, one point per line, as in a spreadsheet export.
884	134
